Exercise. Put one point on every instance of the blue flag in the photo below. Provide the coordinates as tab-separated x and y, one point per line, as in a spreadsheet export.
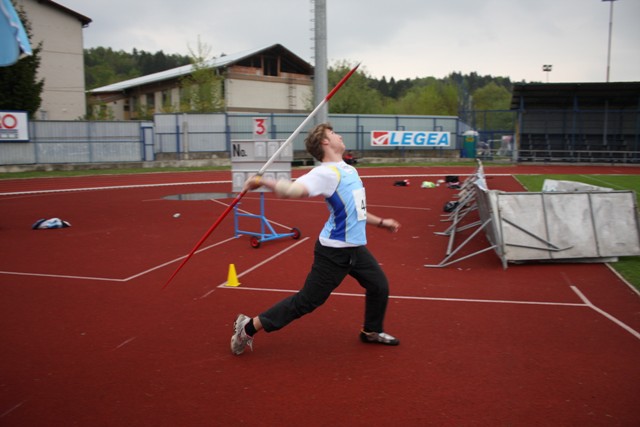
14	41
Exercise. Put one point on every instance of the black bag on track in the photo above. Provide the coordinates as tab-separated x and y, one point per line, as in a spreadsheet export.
450	206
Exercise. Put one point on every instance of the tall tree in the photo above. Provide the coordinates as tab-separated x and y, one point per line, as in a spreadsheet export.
430	97
493	97
356	96
202	89
20	88
104	66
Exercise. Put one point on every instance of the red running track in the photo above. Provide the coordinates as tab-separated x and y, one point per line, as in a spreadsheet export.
89	339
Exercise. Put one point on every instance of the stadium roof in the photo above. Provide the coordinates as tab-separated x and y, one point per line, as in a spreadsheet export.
221	62
569	95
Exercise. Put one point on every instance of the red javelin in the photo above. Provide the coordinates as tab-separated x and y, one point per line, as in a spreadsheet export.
261	172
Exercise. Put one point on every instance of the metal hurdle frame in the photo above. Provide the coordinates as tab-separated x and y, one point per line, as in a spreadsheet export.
466	204
247	156
594	225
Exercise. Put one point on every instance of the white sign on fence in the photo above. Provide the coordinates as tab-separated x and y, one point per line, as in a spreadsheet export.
14	126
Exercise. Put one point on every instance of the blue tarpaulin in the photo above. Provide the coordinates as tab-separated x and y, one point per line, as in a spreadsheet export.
14	41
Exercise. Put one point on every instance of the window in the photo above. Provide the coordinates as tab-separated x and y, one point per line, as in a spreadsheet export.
270	66
151	101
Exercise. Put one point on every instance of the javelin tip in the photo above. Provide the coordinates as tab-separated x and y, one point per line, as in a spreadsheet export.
341	82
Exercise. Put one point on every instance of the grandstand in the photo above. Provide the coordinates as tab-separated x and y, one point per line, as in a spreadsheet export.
578	122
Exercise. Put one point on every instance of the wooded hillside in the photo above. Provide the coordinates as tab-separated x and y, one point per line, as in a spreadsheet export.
363	95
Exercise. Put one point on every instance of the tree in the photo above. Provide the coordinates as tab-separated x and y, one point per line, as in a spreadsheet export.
19	86
356	96
492	97
202	89
430	97
104	66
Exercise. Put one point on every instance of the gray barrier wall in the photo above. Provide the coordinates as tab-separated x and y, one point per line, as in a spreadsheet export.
185	134
77	142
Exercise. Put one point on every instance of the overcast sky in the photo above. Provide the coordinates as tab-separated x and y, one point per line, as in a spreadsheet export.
399	38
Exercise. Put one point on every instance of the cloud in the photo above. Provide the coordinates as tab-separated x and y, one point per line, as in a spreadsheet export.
401	39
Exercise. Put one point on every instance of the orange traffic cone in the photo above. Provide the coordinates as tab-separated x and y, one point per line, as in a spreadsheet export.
232	278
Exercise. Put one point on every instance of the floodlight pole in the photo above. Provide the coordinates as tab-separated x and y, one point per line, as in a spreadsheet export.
320	74
610	31
606	103
547	69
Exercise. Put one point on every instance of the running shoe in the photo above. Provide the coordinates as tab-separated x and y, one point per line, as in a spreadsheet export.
378	338
240	340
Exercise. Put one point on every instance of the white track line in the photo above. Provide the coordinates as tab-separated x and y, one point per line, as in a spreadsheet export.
260	264
62	276
112	187
179	259
605	314
322	202
171	184
585	303
107	279
10	410
414	298
430	175
125	342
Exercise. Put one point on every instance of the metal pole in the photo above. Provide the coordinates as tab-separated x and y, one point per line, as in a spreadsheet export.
320	52
610	31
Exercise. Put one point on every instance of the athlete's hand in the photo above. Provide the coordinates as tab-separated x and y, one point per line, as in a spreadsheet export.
390	224
253	183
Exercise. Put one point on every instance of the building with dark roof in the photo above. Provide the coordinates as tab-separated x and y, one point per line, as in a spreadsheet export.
268	79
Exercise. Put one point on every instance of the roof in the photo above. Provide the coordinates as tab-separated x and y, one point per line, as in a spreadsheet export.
85	20
568	95
221	62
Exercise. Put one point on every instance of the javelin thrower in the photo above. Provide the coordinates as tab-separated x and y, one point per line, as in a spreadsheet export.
339	251
262	171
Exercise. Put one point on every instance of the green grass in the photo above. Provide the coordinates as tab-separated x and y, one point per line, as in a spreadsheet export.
628	267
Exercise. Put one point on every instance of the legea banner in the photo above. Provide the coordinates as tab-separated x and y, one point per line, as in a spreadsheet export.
14	126
387	138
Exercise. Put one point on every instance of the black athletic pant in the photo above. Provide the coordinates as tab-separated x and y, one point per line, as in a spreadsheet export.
330	266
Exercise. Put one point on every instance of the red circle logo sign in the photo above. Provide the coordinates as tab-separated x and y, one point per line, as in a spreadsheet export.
8	121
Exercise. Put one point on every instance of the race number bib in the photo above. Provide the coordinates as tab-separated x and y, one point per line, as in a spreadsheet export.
360	200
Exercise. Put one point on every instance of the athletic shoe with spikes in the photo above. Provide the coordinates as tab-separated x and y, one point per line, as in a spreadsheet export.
378	338
240	340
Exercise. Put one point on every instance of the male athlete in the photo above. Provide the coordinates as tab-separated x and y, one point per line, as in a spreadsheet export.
340	249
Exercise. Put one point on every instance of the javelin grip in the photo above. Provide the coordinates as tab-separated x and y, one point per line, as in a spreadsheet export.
260	173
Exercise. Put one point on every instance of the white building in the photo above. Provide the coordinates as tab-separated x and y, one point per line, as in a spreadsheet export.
270	79
62	58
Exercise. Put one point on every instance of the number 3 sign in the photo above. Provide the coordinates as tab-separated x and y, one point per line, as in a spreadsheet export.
260	128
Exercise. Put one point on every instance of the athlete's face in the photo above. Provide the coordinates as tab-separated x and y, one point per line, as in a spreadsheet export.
335	141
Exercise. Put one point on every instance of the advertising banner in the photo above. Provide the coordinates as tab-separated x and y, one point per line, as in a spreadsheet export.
385	138
14	126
